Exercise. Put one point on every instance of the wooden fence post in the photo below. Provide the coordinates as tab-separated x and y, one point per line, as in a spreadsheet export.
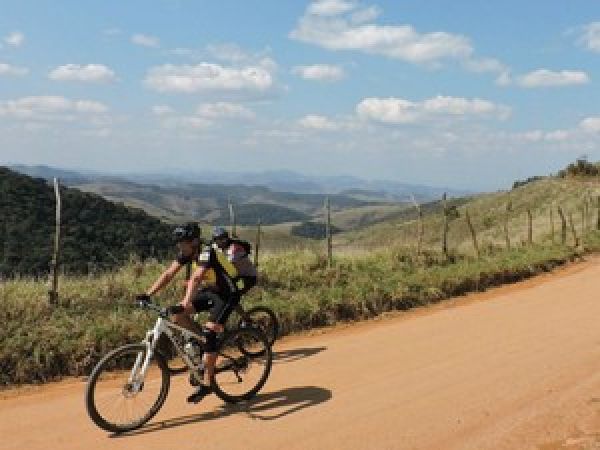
529	227
563	230
53	291
328	234
420	226
445	229
552	222
232	218
257	244
506	217
575	237
473	233
598	212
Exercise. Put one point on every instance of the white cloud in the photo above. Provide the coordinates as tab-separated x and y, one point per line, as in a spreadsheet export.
549	136
15	39
317	122
162	110
330	7
187	122
548	78
590	36
324	25
400	111
320	72
224	110
485	65
7	69
90	73
388	110
49	107
590	124
208	77
145	40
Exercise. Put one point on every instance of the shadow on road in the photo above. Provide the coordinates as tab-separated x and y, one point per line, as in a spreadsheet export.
268	406
287	356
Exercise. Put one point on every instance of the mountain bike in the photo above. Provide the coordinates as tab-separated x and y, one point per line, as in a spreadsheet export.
131	383
261	317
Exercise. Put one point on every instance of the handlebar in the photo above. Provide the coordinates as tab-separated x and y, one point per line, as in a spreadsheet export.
144	302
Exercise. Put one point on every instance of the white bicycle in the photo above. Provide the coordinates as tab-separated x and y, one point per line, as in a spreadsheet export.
130	384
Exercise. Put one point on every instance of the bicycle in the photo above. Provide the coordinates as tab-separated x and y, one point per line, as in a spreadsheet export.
137	375
261	317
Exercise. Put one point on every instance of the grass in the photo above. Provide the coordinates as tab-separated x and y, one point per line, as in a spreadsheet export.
41	343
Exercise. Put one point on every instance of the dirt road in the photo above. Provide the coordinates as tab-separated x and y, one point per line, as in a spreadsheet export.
515	368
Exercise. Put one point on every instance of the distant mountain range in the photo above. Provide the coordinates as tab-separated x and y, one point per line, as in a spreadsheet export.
276	180
272	197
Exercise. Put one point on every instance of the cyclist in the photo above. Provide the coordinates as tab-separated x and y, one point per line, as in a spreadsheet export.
220	298
238	253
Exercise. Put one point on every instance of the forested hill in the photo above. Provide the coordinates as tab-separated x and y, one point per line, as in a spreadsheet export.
96	234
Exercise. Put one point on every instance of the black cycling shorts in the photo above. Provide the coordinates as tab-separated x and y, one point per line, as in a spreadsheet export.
220	308
249	283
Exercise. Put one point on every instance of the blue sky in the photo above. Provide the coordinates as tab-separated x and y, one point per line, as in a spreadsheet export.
465	94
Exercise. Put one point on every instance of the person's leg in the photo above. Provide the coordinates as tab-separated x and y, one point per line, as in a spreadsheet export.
219	313
201	302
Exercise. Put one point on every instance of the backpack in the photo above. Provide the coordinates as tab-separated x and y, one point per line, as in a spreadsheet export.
247	246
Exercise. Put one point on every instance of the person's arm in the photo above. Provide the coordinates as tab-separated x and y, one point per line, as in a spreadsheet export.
192	286
165	278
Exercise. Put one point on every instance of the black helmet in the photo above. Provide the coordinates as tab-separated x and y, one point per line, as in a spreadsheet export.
220	233
186	232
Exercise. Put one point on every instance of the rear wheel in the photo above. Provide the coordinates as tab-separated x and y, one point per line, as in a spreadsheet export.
243	365
116	398
263	318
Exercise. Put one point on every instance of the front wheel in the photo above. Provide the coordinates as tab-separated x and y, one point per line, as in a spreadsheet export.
243	366
117	397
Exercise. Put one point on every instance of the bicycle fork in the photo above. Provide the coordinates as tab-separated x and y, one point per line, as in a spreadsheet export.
138	374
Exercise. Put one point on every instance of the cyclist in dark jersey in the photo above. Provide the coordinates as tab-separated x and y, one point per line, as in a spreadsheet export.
221	298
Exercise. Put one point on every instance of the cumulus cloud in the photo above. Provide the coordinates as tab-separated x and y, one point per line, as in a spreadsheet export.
317	122
590	125
145	40
327	24
548	78
320	72
330	7
7	69
90	73
206	77
590	36
49	107
401	111
224	110
15	39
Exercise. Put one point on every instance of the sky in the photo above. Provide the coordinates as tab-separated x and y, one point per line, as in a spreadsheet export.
465	94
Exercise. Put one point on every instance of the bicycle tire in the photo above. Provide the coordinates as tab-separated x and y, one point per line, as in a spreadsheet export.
270	326
238	364
104	366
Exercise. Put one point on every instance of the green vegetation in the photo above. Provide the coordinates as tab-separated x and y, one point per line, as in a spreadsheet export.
375	269
97	234
96	314
580	168
312	230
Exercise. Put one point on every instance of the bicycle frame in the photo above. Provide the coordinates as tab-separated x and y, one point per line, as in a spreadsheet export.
162	326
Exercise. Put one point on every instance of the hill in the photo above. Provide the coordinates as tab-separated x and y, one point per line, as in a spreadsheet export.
97	234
